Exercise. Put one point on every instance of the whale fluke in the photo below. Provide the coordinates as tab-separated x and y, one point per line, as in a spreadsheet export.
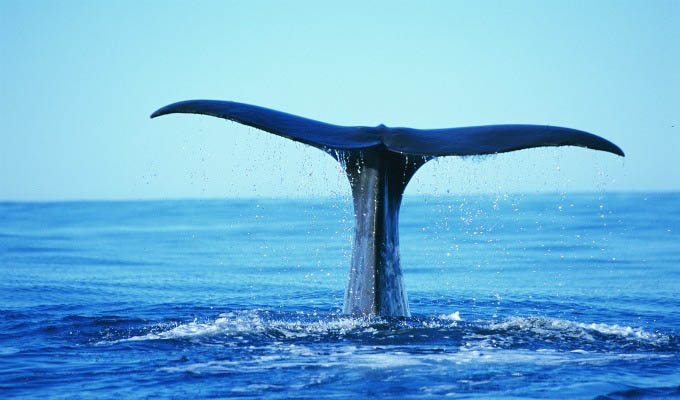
308	131
378	166
475	140
491	139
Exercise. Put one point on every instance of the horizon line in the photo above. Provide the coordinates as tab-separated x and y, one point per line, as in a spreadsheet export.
331	196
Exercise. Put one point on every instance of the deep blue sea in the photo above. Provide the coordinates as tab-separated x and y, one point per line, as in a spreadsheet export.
563	296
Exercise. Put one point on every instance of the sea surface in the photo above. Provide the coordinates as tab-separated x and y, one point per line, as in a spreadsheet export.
563	296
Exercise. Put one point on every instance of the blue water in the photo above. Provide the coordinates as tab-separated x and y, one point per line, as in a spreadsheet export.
516	296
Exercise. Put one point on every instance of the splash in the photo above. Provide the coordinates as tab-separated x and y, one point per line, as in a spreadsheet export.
534	333
261	322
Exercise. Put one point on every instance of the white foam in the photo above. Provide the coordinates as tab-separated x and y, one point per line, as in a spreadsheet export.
251	322
240	326
580	330
256	387
478	349
451	317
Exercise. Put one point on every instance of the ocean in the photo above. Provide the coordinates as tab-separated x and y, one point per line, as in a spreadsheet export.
568	296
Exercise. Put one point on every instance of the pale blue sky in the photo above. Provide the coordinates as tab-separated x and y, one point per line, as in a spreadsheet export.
80	78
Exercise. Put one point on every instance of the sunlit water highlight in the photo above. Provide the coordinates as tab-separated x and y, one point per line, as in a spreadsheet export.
517	296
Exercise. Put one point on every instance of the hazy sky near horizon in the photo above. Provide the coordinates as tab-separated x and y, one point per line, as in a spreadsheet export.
79	80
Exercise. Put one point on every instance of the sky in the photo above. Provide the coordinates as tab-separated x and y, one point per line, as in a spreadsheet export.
78	80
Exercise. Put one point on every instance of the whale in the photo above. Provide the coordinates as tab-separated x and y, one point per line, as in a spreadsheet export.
379	162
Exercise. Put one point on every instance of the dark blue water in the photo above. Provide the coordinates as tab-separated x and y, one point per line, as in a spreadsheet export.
518	296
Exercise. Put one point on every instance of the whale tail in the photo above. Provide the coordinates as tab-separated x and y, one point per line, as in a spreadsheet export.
378	167
463	141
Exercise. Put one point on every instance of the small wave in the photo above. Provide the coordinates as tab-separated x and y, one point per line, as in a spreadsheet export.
280	356
451	317
262	327
589	332
331	343
254	322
